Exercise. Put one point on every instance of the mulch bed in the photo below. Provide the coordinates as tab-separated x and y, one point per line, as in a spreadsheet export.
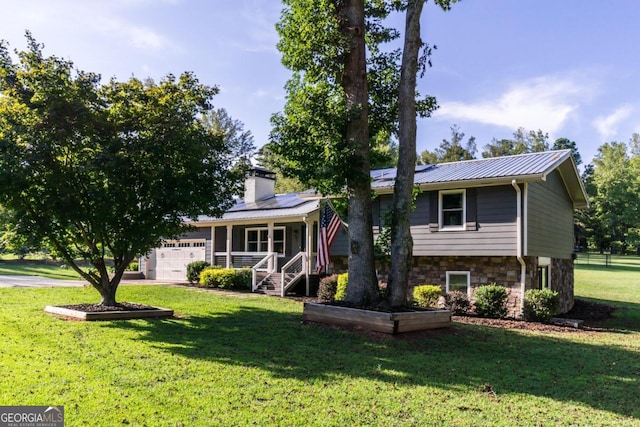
592	313
97	308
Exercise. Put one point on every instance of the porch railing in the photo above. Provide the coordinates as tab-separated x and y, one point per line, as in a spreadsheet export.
293	270
269	264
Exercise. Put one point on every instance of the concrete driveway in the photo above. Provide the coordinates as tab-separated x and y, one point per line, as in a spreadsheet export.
36	282
43	282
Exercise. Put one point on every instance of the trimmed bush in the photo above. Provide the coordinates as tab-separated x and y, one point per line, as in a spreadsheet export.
194	269
491	301
540	305
218	278
133	266
341	290
327	288
426	295
243	279
458	302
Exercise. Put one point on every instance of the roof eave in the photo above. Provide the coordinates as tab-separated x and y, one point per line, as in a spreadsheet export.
445	185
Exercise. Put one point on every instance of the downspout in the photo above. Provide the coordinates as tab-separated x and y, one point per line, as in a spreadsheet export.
523	264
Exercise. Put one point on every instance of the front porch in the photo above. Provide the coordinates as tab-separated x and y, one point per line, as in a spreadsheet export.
272	273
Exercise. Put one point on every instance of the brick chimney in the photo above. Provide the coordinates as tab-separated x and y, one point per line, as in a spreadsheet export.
259	185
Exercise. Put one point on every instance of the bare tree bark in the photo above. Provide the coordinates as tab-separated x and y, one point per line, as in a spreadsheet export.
363	283
401	240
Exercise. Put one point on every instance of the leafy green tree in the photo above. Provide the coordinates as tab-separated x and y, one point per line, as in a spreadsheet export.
615	203
284	184
523	142
567	144
238	141
107	171
450	151
323	132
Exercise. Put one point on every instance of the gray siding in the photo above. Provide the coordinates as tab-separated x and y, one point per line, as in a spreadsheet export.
340	246
495	234
198	233
221	239
549	219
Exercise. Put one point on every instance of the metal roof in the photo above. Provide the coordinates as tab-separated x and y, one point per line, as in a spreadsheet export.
522	167
278	206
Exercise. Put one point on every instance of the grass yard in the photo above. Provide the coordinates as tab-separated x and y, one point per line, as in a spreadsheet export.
229	360
44	268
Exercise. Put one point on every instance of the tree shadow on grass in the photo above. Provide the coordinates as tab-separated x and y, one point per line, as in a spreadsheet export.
625	317
599	375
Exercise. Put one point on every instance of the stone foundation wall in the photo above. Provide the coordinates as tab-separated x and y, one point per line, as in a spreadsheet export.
504	271
562	280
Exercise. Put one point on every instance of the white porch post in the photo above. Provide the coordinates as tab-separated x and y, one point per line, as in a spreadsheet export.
270	244
309	242
213	245
229	234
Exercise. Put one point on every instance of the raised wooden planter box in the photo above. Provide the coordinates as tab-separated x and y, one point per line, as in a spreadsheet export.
156	312
390	323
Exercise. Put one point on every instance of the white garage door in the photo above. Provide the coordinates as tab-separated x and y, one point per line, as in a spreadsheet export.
173	257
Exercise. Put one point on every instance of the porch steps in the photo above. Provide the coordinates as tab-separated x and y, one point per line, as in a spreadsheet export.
271	284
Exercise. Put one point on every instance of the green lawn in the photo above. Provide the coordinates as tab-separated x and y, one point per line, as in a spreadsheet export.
36	267
248	360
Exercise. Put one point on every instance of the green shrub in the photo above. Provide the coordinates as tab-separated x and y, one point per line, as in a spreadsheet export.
458	302
327	288
218	278
540	304
243	279
341	290
491	301
426	295
194	269
133	266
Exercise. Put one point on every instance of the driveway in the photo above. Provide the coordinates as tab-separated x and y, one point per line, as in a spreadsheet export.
43	282
36	282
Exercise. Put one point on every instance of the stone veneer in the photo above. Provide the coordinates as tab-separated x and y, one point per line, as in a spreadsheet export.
502	270
561	272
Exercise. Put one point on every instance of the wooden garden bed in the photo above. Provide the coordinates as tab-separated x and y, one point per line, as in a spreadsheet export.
380	321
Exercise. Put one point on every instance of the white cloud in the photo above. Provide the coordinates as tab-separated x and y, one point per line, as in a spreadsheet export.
607	126
544	103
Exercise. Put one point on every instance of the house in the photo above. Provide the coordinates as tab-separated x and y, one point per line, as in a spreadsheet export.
265	231
505	220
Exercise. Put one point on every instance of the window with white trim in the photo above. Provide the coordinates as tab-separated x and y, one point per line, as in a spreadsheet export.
459	281
257	239
452	212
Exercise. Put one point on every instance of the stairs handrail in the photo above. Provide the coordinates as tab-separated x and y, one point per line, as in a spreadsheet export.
271	267
301	260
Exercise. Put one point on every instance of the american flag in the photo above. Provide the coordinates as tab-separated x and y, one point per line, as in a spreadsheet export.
329	226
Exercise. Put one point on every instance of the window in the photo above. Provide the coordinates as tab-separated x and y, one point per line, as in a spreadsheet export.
257	240
459	281
452	210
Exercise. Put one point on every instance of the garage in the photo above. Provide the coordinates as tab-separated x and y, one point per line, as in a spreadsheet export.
173	257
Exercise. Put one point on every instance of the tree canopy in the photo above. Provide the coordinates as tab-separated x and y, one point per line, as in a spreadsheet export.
452	150
523	141
104	172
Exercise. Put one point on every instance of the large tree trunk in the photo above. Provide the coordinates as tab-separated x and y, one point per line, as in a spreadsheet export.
401	240
363	283
108	292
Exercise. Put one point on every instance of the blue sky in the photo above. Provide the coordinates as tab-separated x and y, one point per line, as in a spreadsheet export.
567	67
